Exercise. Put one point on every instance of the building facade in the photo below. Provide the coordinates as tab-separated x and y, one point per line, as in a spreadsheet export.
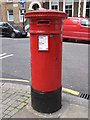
10	9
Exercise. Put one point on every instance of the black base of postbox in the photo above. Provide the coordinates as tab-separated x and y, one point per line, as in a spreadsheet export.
46	102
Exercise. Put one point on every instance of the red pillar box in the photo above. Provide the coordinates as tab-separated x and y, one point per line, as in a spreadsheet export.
46	59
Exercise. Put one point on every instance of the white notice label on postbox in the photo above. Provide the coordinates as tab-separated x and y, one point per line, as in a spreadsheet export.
42	42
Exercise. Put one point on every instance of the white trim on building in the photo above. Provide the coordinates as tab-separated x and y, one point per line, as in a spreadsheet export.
34	2
79	6
84	9
72	8
63	5
50	4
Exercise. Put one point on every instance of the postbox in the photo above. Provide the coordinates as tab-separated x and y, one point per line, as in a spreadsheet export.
46	59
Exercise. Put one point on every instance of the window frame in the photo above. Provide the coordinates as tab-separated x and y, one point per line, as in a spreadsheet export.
65	3
68	9
9	15
87	9
20	17
55	3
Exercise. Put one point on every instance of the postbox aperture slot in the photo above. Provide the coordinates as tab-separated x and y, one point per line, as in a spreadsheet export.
43	22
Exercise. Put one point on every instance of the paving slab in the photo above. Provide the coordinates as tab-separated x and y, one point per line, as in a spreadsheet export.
24	113
67	111
75	111
17	104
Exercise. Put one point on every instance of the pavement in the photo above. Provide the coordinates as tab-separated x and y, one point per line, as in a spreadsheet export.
15	102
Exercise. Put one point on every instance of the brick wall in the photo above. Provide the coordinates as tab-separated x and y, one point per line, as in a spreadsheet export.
81	9
16	11
61	6
75	9
4	13
9	6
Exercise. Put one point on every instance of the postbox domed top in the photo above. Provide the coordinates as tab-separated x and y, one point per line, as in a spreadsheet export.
45	13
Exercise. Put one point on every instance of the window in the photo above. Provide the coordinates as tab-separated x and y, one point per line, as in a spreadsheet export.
10	15
85	23
55	5
88	9
46	5
68	8
35	7
21	17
